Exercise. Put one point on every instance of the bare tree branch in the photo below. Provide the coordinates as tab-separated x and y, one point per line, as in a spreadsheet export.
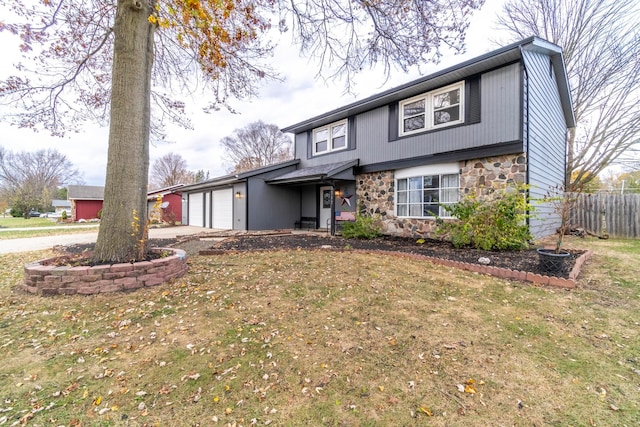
256	145
601	43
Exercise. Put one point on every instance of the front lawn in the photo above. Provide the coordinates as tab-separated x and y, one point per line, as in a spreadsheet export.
13	228
298	337
12	222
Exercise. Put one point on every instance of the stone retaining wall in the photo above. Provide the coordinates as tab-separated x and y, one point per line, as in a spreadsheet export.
376	191
48	277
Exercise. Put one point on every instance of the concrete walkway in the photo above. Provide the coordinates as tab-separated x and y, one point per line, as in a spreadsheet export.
47	242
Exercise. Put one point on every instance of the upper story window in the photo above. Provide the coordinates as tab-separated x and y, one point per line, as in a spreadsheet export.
329	138
432	110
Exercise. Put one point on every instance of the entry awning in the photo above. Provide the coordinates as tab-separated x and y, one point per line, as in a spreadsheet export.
333	171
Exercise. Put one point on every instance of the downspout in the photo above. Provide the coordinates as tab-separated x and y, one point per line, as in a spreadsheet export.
526	139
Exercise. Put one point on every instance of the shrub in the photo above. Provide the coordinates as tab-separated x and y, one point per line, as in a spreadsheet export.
64	215
364	227
492	222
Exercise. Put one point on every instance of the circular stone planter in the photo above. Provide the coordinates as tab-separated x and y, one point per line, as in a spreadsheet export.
48	277
552	262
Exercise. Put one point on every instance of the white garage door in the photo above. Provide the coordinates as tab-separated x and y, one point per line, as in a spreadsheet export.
223	209
195	209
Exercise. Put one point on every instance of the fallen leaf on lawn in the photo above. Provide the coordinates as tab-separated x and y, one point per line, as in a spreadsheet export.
425	411
193	376
196	397
165	390
97	400
469	386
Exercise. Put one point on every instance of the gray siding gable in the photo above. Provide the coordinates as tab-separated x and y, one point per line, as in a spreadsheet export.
496	120
481	64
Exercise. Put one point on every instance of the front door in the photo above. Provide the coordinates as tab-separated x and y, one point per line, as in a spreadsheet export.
326	197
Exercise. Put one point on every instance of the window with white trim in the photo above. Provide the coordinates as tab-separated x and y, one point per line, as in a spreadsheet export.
432	110
423	196
329	138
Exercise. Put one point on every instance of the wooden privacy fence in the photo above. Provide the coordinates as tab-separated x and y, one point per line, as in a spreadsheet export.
619	213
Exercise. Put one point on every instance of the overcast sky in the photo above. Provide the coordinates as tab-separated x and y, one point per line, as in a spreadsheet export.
298	97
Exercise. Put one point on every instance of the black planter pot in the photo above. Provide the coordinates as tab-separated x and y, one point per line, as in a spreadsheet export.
553	262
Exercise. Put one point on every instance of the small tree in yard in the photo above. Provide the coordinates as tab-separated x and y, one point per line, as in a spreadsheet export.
489	222
562	203
116	60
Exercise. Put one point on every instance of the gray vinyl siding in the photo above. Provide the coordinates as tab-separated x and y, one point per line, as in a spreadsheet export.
500	122
271	206
545	132
309	201
240	206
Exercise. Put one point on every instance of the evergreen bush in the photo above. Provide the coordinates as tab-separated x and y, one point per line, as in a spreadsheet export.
364	227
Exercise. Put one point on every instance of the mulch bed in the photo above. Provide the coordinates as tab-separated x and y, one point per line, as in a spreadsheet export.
524	260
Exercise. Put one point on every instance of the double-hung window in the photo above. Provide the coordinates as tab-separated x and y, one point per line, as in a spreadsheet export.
425	195
329	138
432	110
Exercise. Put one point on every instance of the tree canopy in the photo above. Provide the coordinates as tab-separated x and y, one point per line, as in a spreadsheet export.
601	45
30	180
170	169
257	144
127	62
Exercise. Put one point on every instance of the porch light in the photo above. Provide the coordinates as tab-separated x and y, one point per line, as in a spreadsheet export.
238	195
337	192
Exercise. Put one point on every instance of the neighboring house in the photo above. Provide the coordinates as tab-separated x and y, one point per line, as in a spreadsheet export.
60	206
170	203
497	119
86	201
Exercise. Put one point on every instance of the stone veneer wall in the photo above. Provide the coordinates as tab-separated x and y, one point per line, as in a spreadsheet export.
46	277
376	191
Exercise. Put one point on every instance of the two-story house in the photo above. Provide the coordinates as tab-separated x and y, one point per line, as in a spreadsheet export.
402	154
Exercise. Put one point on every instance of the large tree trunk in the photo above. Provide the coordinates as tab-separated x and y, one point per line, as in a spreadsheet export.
123	234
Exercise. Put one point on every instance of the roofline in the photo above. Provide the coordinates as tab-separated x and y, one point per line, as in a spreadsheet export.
165	190
227	180
385	97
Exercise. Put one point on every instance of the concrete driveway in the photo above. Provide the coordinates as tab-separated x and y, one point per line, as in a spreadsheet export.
48	242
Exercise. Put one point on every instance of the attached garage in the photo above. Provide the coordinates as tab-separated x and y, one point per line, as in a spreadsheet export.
196	209
223	203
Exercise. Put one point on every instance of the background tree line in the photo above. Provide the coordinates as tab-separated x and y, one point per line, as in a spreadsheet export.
31	180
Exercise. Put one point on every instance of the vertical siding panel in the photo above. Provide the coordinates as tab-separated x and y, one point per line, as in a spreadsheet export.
546	137
500	122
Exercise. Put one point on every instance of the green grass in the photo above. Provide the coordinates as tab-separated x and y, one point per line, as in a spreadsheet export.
11	222
38	227
328	338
